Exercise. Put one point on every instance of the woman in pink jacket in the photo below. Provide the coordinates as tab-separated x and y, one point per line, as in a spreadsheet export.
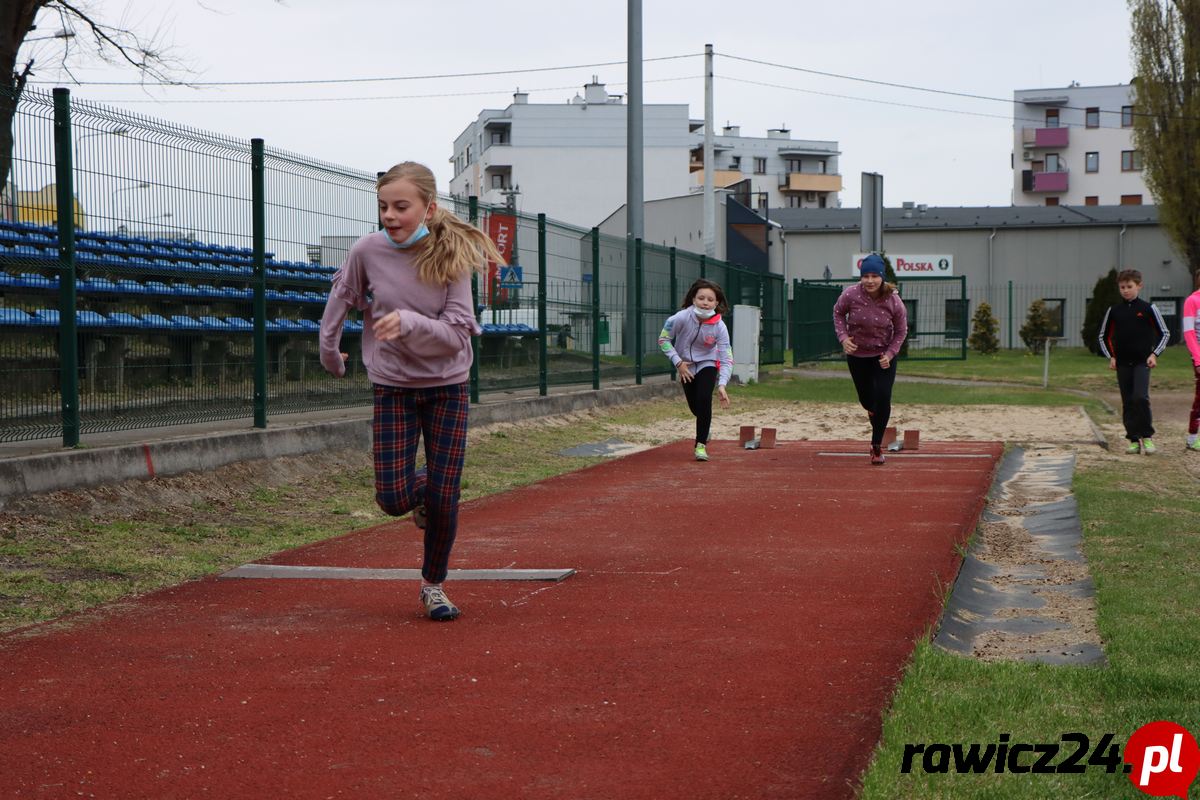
1191	308
412	281
871	323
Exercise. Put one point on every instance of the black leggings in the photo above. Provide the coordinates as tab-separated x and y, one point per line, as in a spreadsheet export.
699	392
1134	382
874	386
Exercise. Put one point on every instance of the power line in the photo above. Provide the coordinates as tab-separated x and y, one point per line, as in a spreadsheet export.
382	97
316	81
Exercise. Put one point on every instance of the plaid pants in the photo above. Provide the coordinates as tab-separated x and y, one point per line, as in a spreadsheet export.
439	415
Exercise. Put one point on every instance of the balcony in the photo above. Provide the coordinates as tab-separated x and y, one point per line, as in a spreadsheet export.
721	177
1045	181
1045	137
809	182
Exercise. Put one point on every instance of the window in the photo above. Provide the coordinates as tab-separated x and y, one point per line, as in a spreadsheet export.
794	164
1126	116
1091	118
1091	200
956	318
1131	199
1051	201
1051	117
760	166
736	162
498	182
1091	162
762	201
1131	160
824	199
810	197
469	160
1053	163
794	201
498	137
821	166
1054	308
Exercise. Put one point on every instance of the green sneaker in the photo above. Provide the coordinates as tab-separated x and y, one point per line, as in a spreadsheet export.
1148	447
1194	446
1133	449
701	453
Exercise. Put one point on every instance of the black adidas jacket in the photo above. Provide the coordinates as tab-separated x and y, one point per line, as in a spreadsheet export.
1132	330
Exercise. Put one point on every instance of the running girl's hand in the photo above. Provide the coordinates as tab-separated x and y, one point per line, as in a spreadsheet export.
1112	363
885	361
387	327
684	370
335	367
1152	361
848	345
724	396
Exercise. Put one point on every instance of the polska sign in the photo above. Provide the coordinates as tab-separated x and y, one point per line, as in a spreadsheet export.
912	266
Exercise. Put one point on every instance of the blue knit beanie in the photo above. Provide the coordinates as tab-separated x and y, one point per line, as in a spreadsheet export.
872	264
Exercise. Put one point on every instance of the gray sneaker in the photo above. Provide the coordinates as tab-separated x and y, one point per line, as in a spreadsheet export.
437	606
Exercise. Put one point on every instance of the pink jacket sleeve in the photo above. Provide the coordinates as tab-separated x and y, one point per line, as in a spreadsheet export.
450	331
348	291
899	325
1191	306
840	308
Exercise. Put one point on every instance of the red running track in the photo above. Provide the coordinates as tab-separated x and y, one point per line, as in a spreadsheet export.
734	631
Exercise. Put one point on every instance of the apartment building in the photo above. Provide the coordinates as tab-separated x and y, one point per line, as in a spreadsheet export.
568	159
1074	146
775	171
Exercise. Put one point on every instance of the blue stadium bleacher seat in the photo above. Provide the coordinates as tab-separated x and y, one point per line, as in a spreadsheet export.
126	286
351	326
274	294
90	319
293	295
46	316
186	290
155	321
8	279
237	323
273	326
121	319
184	321
214	323
37	281
9	235
158	287
100	284
289	325
309	325
28	251
15	316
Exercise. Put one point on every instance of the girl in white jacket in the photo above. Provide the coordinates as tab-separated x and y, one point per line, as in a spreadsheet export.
697	342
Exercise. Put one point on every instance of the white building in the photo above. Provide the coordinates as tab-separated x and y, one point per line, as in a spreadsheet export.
1074	146
772	172
568	159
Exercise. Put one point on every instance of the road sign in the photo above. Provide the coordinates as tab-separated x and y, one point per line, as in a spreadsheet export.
510	277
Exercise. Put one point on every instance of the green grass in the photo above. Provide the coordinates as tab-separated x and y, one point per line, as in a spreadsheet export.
1140	537
1070	368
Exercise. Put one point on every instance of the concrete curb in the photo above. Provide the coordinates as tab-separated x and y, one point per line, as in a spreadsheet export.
78	469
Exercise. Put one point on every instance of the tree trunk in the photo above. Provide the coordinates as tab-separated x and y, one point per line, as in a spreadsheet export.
16	21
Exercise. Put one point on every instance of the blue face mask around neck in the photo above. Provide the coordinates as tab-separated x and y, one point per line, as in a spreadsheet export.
420	233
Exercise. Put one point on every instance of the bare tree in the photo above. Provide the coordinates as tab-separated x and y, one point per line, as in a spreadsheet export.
79	35
1166	124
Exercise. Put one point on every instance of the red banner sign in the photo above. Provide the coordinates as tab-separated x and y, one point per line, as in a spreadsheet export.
501	229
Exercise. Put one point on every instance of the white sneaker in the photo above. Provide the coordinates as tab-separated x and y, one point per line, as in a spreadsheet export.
437	606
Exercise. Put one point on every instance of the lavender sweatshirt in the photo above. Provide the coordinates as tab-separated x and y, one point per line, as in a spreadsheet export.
877	326
436	322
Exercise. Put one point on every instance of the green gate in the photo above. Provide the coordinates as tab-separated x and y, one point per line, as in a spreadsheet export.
938	319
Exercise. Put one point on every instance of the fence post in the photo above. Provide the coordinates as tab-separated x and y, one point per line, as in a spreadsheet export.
595	308
68	342
966	324
674	281
637	310
1010	316
703	267
258	231
473	218
541	306
794	323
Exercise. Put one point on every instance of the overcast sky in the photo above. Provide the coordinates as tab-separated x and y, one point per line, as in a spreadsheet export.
931	148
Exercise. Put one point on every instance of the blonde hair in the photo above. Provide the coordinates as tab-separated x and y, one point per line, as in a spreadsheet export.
453	249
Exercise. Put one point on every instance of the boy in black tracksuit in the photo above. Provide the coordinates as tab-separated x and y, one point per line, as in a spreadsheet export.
1133	336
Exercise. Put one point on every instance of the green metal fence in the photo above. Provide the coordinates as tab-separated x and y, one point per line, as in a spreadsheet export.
938	319
187	280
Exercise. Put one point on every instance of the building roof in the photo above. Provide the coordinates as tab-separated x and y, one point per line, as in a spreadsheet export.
966	217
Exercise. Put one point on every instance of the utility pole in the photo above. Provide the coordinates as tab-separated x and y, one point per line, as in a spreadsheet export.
710	200
635	189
